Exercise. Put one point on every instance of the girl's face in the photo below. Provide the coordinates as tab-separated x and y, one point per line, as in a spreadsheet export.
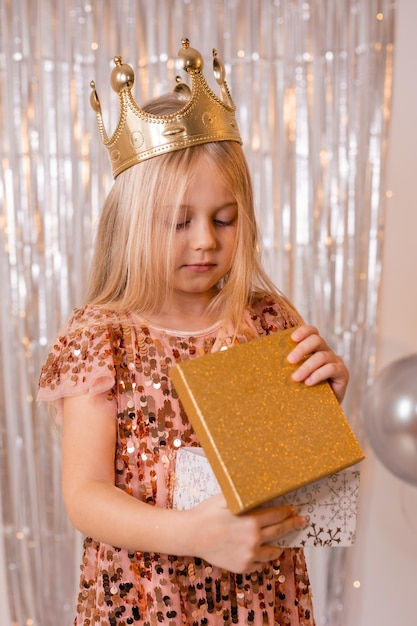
205	235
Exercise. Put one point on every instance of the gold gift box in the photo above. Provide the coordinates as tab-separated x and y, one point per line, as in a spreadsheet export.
263	433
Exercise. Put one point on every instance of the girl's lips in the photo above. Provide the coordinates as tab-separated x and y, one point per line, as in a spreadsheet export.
199	267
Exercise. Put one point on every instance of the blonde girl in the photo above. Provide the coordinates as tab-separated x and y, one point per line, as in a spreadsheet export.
176	274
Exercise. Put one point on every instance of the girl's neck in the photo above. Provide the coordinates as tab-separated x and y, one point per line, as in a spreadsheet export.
192	316
176	321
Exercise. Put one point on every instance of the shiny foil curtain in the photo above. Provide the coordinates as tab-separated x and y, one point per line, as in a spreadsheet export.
312	81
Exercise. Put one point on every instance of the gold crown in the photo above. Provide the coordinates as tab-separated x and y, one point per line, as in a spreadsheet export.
140	135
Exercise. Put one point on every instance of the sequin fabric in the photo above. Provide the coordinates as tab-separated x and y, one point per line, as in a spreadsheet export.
128	362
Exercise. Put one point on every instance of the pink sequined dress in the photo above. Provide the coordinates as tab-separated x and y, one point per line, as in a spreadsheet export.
128	362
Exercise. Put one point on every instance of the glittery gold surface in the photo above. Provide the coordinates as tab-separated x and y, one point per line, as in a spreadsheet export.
264	434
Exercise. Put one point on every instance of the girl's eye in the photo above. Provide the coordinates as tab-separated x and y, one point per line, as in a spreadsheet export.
217	222
182	225
223	222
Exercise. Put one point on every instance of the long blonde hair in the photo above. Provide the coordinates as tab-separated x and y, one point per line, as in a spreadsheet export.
132	264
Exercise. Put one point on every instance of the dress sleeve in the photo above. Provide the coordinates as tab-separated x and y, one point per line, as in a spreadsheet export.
269	315
80	361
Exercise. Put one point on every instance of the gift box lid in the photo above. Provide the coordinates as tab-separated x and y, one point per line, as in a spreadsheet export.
263	433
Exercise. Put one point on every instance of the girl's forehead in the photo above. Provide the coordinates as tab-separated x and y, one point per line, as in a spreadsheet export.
208	180
211	166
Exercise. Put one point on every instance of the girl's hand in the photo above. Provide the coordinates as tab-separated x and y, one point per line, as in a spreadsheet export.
239	543
319	362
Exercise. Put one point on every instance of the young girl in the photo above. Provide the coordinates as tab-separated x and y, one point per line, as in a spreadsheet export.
176	275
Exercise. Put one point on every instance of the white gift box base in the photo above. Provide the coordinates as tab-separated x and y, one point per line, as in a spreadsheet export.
330	505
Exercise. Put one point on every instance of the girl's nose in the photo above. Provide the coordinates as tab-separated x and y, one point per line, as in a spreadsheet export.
203	236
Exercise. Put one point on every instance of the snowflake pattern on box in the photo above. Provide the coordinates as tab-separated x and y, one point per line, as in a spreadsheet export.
330	505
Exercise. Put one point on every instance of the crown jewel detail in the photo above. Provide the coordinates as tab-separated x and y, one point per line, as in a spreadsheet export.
140	135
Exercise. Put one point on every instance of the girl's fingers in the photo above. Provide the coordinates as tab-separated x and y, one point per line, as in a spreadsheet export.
308	341
269	533
319	366
317	362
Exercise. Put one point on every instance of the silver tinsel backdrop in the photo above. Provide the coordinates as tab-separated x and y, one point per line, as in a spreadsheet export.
312	81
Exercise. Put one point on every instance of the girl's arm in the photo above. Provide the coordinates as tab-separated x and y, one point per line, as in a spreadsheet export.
319	361
104	512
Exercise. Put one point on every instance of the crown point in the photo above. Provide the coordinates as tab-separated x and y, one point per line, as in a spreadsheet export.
94	101
218	70
190	59
182	89
122	76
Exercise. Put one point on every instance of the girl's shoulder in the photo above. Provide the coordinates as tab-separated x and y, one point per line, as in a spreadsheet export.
82	358
271	313
90	316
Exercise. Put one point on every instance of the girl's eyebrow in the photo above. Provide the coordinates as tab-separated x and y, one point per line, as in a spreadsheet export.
226	205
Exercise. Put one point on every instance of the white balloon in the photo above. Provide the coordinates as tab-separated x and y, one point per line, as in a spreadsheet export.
390	418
